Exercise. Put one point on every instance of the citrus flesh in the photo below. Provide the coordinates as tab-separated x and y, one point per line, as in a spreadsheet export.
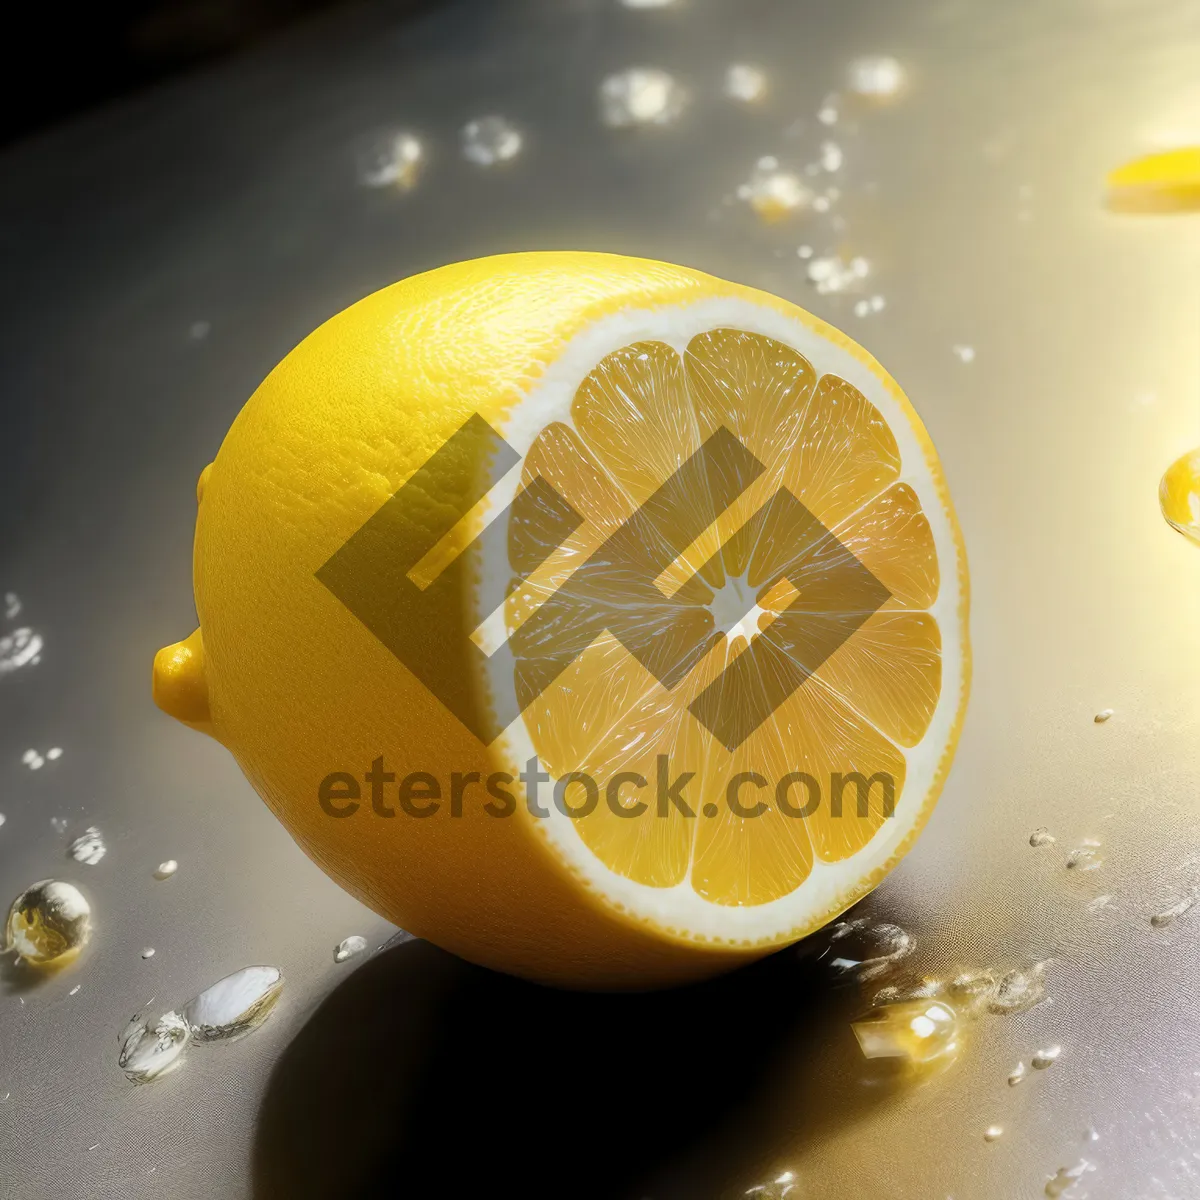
605	375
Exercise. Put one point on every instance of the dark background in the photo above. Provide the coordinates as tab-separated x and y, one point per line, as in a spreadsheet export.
59	59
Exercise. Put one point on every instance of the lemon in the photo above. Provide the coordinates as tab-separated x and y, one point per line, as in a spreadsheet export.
386	651
1167	181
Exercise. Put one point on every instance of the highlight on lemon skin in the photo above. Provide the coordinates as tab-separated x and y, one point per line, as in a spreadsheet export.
1179	495
1164	182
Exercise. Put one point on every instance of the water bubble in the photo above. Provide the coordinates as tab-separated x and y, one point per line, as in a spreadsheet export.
1018	990
1017	1074
964	353
827	114
147	1053
1169	916
863	949
199	330
1041	837
830	273
148	952
166	869
49	921
89	847
640	96
1179	495
745	83
993	1133
917	1030
12	606
58	824
1045	1058
393	159
1067	1177
349	947
876	75
490	140
1102	716
19	649
234	1005
1085	857
33	760
54	753
804	252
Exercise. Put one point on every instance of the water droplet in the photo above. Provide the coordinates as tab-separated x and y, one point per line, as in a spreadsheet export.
48	922
54	753
33	760
1045	1058
831	157
827	114
149	1053
12	606
1169	916
1018	989
830	273
3	818
89	847
876	75
1179	496
349	947
863	949
490	140
393	159
1085	857
972	989
1091	1134
75	989
1041	837
916	1030
199	330
19	649
804	251
964	353
1066	1177
745	83
1102	716
234	1005
1017	1074
993	1133
772	193
166	869
58	824
148	952
640	96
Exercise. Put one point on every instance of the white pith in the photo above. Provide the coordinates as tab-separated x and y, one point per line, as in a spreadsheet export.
829	886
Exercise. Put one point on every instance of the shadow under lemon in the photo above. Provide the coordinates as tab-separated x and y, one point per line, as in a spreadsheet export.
427	1075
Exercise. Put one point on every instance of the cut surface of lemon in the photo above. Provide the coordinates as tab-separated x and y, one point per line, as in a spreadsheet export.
807	627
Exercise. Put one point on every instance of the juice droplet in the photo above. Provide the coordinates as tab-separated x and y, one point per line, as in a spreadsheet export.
235	1005
1066	1177
1016	1075
1041	837
878	76
917	1030
490	140
89	847
640	96
864	949
1168	916
1085	857
349	947
772	193
745	83
1018	989
48	922
166	869
147	1053
993	1133
1179	495
19	649
391	160
1045	1058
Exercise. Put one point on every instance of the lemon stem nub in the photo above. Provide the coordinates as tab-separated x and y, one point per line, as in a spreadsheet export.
180	688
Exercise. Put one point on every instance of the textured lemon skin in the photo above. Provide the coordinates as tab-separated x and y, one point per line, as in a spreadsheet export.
297	688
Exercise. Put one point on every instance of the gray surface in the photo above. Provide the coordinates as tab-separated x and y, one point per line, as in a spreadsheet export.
231	198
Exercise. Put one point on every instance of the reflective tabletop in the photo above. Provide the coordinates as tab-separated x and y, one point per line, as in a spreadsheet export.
161	255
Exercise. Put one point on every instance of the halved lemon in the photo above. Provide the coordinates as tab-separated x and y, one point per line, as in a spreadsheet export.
744	715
